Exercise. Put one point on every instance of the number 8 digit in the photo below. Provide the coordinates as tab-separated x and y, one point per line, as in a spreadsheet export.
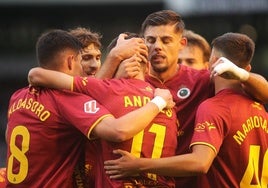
18	154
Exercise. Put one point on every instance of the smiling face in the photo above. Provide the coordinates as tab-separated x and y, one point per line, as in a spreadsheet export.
91	59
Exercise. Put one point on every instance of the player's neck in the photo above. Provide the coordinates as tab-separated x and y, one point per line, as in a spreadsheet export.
221	83
166	75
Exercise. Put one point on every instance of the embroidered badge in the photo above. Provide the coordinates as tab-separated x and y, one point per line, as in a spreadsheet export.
183	93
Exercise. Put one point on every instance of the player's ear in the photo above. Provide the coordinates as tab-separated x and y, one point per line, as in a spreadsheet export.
248	68
183	42
70	61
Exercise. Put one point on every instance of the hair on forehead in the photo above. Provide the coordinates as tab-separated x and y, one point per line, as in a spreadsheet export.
163	17
86	36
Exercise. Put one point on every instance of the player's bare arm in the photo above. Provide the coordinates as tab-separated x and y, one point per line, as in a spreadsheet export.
118	130
48	78
197	162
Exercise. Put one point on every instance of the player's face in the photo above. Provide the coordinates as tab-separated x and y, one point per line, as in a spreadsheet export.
91	59
192	56
163	43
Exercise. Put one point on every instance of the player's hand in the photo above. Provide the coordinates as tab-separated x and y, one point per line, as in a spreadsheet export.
166	95
125	48
129	68
121	167
228	70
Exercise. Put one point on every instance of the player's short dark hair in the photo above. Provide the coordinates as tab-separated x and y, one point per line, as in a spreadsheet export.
237	47
163	17
53	42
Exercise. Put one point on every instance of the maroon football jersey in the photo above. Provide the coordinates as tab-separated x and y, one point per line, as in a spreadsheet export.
159	139
235	127
189	87
46	134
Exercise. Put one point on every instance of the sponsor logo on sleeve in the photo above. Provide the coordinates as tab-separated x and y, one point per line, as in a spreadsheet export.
91	107
201	127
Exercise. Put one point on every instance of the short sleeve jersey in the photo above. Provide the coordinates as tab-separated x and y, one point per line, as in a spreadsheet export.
235	127
158	139
46	132
189	87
